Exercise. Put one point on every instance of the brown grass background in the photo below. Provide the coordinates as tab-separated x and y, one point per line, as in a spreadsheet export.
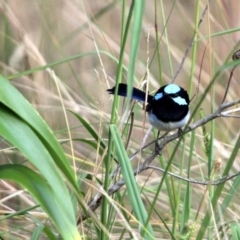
36	33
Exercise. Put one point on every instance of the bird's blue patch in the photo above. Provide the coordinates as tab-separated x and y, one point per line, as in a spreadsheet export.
171	89
179	100
158	96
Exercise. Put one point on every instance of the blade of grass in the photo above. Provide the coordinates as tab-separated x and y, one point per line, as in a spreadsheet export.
12	99
50	65
218	191
137	8
233	191
132	189
90	130
125	31
235	229
43	194
135	39
22	126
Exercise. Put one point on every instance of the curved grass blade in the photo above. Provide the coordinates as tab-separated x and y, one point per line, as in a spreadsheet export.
43	194
23	127
13	99
132	189
90	130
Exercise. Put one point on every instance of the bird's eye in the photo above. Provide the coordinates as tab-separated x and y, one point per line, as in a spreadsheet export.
236	55
173	95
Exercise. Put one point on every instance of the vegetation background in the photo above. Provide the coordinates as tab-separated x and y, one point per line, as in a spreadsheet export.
63	55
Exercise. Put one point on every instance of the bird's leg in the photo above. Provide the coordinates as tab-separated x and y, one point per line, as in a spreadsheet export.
158	134
156	143
180	132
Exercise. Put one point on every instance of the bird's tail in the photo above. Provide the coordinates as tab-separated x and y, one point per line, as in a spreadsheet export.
136	93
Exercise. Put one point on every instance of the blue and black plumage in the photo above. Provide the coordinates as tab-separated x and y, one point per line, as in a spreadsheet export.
167	110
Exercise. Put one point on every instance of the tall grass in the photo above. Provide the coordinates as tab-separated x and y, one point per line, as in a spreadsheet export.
68	158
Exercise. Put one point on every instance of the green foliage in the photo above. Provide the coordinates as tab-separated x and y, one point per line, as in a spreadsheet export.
71	175
23	127
132	189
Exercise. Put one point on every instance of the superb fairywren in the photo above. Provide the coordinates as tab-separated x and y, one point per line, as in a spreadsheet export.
167	109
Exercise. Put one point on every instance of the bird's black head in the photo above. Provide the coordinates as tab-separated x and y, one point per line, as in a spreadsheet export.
170	103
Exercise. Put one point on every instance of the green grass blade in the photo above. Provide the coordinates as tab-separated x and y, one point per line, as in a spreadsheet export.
13	99
235	229
132	189
125	31
44	195
90	130
233	191
135	39
218	190
36	234
23	127
50	65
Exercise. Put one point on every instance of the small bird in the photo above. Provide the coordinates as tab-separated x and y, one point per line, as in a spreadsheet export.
167	109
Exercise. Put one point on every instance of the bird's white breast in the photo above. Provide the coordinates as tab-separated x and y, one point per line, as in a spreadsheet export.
167	126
